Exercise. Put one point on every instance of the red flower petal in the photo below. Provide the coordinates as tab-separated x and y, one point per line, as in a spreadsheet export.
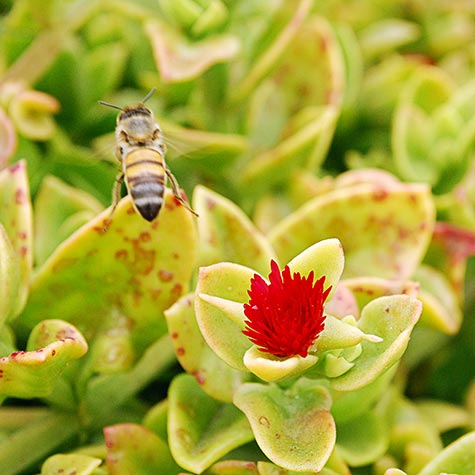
285	317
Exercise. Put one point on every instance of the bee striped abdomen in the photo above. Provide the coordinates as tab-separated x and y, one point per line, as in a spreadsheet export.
144	171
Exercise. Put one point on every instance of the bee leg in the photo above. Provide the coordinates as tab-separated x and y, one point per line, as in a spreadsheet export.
176	191
115	199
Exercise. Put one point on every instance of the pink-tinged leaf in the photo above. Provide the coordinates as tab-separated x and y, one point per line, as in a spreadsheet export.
179	60
8	139
384	229
134	449
34	373
16	218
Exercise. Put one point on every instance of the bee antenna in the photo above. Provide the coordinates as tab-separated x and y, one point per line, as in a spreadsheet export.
149	95
108	104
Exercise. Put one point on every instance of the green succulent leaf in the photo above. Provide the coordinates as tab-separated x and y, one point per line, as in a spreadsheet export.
34	373
132	448
221	292
366	289
294	427
270	368
106	392
234	467
441	307
53	223
392	318
180	60
8	139
227	234
124	273
384	229
363	440
9	276
34	441
325	258
16	218
196	357
66	463
200	429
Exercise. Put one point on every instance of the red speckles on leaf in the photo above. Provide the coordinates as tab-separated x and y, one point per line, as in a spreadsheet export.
20	197
122	255
180	351
174	335
285	317
15	168
380	194
199	377
165	275
145	236
176	291
210	204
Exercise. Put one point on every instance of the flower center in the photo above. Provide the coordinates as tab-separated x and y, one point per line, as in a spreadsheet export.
285	316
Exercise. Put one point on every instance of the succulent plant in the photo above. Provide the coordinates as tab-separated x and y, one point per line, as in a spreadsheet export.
316	316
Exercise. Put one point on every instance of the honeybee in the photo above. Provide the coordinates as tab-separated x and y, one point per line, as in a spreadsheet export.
141	151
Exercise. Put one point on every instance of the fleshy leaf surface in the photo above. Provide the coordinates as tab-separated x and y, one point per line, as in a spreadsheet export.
53	223
294	427
392	318
384	229
455	458
363	440
9	277
16	218
325	258
34	373
181	60
200	429
70	463
196	357
221	292
227	234
125	275
132	448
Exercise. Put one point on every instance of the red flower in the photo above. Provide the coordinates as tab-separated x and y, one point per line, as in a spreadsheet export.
285	317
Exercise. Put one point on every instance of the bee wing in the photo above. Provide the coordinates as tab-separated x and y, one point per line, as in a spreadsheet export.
194	143
104	148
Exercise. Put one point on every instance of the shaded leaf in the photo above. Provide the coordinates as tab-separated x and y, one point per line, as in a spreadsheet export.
200	429
59	210
133	449
227	234
179	60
